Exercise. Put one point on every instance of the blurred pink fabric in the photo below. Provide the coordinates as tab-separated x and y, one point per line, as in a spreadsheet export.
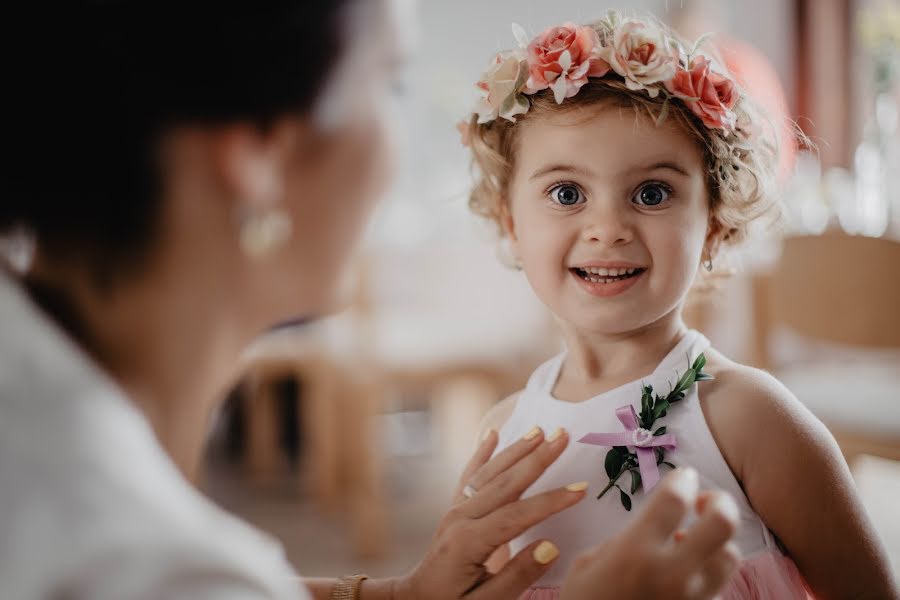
758	77
766	576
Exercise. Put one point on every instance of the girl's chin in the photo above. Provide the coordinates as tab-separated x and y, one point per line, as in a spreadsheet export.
613	318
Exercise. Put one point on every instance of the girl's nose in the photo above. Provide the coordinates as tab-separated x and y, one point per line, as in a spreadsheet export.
608	226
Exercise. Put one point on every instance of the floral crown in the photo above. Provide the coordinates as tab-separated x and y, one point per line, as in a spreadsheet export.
638	51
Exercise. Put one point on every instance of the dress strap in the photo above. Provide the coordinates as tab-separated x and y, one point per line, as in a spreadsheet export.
545	376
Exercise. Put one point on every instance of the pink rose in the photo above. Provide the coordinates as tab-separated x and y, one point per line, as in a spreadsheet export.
562	58
641	55
709	94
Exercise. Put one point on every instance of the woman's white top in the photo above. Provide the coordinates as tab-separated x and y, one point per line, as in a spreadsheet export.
91	506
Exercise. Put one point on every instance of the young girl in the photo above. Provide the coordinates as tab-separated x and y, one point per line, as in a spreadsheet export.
618	162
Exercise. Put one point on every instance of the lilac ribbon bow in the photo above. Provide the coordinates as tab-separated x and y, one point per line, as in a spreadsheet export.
642	440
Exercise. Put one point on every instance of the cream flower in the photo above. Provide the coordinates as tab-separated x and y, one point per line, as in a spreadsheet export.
641	55
501	87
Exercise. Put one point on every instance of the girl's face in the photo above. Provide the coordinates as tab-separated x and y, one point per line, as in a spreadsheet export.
607	216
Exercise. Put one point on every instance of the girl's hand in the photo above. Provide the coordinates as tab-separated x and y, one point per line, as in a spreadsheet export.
653	559
475	526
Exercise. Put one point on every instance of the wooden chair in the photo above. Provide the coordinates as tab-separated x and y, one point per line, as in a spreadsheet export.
350	379
337	406
840	291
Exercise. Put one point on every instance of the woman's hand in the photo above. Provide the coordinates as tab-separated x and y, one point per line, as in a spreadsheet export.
454	566
654	559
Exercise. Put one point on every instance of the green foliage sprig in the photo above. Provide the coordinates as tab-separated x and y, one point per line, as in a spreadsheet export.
619	460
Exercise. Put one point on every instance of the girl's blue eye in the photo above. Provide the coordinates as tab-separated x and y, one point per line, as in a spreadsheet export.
566	194
652	194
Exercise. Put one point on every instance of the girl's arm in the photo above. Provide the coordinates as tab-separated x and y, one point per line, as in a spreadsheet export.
796	479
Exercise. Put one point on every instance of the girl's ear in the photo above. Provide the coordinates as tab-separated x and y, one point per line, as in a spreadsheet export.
715	235
506	222
509	243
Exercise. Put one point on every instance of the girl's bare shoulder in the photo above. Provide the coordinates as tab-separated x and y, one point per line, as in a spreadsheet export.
745	407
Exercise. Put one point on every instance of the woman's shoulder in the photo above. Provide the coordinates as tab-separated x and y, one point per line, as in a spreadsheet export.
133	528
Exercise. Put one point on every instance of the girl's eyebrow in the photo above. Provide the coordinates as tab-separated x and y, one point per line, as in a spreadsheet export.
577	170
672	166
560	169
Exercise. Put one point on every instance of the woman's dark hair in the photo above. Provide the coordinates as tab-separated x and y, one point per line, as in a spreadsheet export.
96	83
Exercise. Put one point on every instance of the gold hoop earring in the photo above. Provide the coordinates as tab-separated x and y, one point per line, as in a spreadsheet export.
262	232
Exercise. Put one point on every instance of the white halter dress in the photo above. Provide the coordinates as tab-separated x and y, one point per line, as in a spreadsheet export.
765	572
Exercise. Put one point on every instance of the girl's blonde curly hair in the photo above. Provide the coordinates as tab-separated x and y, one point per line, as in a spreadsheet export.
739	165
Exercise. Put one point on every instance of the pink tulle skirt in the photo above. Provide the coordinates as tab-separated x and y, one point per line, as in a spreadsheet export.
766	576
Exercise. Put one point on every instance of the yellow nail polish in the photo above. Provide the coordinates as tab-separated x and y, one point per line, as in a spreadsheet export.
532	433
487	434
545	552
556	433
577	487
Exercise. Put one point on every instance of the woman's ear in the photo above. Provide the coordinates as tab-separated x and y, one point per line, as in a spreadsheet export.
253	161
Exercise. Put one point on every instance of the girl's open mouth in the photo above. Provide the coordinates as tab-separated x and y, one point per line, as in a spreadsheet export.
603	275
605	282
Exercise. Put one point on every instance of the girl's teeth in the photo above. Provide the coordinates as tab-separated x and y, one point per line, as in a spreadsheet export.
604	272
604	275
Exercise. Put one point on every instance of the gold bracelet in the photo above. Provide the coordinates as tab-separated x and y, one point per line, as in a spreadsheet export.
347	587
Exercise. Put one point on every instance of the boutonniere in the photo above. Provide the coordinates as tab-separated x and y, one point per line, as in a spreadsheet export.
639	450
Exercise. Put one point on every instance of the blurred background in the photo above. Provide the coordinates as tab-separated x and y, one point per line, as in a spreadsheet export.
352	431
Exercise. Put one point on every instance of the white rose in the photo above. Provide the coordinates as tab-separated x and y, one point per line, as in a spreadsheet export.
501	87
641	55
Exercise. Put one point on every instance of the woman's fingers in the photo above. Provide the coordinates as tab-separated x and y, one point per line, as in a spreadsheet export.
703	553
482	455
509	485
662	559
669	503
716	573
510	521
519	573
716	524
506	458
